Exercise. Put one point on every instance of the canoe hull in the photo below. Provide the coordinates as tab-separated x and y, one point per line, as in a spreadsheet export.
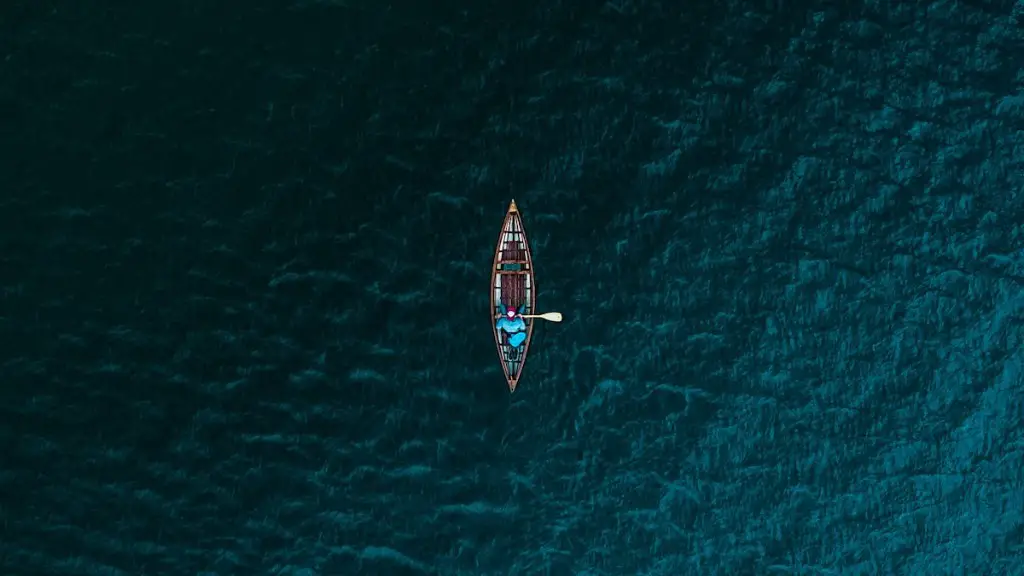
512	284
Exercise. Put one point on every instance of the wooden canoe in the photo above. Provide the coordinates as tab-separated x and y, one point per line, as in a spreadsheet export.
512	284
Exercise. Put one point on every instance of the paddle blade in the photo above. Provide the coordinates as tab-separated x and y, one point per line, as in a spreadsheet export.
551	316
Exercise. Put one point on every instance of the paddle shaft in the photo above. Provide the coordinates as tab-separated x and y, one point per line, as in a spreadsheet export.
550	316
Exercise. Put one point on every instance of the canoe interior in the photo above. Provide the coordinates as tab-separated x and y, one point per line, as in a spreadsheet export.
512	284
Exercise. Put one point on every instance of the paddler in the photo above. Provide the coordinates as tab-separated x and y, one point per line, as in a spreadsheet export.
512	324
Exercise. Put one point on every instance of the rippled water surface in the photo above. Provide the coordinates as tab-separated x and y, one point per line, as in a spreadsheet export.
244	302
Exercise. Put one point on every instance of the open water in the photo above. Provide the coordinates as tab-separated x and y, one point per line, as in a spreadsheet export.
244	288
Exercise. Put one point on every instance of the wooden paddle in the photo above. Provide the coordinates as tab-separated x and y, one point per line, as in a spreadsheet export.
550	316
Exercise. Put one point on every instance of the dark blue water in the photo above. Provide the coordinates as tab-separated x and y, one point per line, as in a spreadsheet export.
246	251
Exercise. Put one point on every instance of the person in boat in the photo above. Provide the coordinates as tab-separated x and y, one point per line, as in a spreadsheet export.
512	324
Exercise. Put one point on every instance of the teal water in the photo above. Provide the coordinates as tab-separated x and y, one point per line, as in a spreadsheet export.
244	289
